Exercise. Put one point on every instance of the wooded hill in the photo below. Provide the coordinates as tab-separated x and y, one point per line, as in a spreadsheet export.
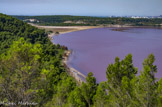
31	71
66	20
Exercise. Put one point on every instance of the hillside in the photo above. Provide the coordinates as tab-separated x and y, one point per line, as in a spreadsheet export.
30	65
65	20
32	74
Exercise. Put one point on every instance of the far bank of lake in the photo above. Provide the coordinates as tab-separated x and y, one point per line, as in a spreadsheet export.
94	49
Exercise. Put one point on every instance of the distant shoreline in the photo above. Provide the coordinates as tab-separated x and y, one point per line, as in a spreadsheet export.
68	29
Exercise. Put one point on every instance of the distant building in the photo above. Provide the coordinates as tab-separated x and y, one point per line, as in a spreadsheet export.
136	17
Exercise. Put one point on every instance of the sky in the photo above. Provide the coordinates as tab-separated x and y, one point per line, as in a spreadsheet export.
82	7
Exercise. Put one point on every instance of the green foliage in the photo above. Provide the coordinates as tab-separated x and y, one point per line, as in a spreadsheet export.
101	97
63	90
159	91
76	98
12	29
31	71
146	85
89	88
121	71
61	20
131	90
119	75
31	68
20	72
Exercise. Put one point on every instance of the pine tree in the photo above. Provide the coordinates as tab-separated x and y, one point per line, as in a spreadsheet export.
89	88
146	84
119	75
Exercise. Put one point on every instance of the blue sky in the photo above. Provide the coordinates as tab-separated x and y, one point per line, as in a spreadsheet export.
82	7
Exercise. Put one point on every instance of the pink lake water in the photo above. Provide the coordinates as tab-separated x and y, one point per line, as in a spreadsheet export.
94	49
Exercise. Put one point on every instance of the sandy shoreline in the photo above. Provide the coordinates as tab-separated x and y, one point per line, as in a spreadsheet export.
78	76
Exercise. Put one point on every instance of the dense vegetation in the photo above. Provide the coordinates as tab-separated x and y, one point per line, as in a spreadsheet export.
30	67
31	73
63	20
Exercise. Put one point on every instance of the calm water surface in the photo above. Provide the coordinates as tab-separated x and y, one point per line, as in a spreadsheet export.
94	49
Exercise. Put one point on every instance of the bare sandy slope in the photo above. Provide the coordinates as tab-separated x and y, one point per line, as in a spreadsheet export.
64	29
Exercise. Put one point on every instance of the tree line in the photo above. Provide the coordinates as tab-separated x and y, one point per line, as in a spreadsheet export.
31	71
60	20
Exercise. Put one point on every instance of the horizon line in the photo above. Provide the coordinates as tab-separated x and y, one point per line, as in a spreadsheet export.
85	15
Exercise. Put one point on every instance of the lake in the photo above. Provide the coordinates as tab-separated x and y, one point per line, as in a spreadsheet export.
94	49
